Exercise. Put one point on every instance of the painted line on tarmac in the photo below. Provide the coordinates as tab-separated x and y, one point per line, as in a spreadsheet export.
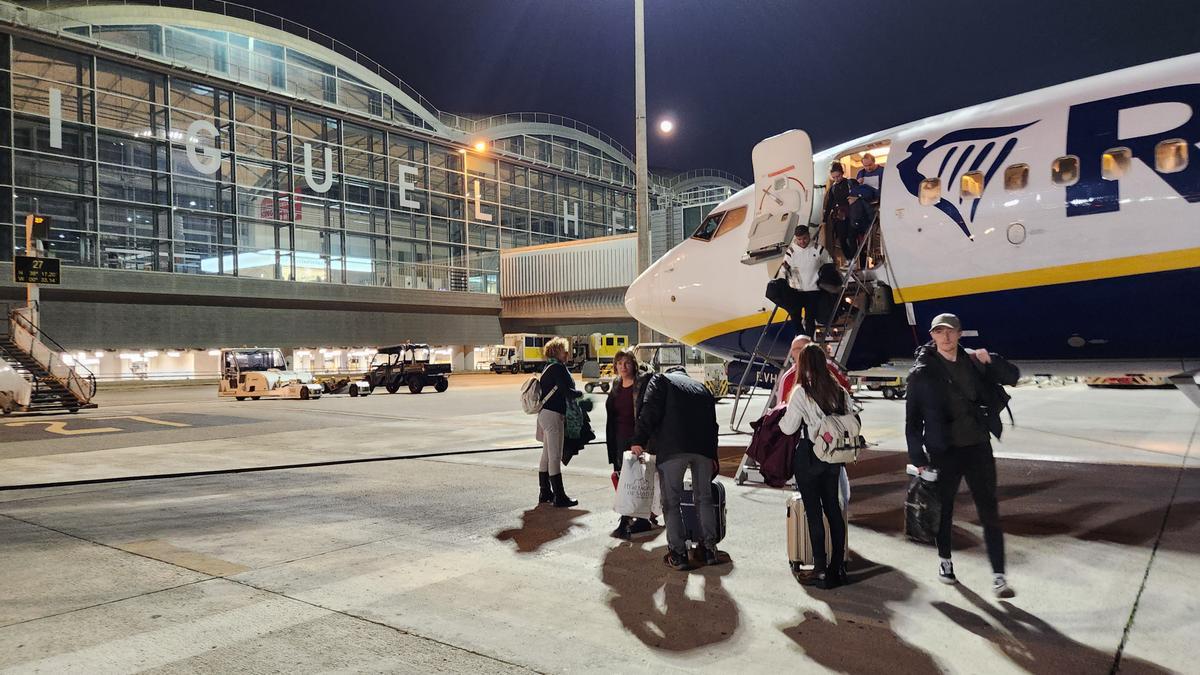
1162	529
276	467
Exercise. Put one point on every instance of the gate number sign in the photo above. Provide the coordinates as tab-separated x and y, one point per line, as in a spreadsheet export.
30	270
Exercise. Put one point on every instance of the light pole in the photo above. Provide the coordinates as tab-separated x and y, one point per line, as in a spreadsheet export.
643	171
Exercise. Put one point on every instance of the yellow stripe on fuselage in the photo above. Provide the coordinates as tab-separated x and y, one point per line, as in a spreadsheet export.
752	321
1064	274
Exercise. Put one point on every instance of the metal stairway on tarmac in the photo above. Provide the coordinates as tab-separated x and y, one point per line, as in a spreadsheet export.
859	292
50	383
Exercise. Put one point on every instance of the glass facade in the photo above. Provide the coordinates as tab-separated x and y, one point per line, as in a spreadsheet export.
152	171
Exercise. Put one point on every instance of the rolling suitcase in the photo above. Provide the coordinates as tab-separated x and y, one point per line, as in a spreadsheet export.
691	520
799	543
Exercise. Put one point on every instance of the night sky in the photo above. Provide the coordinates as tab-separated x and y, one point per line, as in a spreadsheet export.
732	72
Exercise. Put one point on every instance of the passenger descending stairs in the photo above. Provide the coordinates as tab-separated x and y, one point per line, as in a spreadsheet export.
861	294
71	390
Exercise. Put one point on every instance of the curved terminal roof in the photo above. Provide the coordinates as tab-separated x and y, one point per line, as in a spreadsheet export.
270	52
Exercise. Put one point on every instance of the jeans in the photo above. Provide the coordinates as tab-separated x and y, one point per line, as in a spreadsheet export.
670	476
978	466
818	483
551	427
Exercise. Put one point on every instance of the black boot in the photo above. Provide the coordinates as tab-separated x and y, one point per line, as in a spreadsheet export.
545	494
561	499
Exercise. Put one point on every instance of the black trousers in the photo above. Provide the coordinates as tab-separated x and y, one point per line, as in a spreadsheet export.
804	307
978	466
818	485
847	239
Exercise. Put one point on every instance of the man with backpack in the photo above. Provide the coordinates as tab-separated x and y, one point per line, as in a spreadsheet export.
677	418
955	397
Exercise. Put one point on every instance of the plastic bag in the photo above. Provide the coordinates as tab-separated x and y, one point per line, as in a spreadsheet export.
922	511
637	490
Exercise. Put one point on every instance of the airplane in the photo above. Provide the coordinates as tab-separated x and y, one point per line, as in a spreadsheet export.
1061	225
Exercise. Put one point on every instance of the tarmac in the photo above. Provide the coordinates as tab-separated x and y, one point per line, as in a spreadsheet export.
410	543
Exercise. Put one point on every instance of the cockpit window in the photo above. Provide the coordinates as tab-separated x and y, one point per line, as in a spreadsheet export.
717	224
732	219
708	226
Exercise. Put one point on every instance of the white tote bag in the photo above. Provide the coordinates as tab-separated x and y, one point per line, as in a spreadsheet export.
637	491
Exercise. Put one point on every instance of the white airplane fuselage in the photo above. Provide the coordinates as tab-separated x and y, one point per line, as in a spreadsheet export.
1091	273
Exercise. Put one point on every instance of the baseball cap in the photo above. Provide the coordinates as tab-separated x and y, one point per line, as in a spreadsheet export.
946	320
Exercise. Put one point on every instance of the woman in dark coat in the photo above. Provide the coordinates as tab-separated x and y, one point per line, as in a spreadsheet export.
837	212
621	408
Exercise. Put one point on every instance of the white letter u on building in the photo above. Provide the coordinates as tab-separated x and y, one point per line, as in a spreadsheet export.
323	187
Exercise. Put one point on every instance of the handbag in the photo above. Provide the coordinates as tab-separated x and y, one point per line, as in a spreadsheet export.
637	487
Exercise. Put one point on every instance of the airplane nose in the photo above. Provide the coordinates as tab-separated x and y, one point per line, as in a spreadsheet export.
641	296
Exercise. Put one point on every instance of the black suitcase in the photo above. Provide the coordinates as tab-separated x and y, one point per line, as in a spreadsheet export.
691	520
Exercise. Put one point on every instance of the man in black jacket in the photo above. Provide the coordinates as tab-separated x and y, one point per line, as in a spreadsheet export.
678	418
954	400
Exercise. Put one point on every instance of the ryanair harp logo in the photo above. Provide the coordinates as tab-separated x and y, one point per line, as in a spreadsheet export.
963	151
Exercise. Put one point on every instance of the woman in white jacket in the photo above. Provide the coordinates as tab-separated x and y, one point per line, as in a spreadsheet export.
816	395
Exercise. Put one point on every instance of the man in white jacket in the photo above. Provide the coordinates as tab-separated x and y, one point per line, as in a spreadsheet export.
804	300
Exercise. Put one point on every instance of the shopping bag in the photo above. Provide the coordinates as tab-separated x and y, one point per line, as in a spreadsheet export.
922	511
637	490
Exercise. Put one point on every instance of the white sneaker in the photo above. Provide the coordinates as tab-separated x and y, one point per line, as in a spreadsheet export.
946	572
1000	587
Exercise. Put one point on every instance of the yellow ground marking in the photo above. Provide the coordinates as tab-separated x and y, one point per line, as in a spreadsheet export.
147	420
61	429
192	560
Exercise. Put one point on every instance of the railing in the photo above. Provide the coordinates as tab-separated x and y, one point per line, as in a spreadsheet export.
262	18
465	124
477	125
672	181
82	387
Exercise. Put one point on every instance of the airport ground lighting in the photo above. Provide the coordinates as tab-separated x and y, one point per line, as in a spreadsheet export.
642	167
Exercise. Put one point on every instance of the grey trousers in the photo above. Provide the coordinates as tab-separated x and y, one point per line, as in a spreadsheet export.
551	430
670	474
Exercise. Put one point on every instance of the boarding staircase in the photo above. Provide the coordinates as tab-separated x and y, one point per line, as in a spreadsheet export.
34	376
861	294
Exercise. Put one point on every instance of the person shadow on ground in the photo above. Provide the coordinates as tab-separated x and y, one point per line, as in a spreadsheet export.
861	639
1031	643
541	525
636	575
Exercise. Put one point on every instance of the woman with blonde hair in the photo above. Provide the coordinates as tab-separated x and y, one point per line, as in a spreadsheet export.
558	386
817	394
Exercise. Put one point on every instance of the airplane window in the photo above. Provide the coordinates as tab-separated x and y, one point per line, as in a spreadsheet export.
1114	163
1171	156
1016	177
931	191
733	218
970	186
708	227
1065	170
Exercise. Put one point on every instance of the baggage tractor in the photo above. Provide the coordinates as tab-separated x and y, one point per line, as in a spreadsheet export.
691	520
799	543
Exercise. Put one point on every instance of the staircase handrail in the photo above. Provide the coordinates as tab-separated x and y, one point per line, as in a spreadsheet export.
83	384
852	276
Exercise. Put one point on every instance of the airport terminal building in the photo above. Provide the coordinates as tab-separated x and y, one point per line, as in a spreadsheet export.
230	178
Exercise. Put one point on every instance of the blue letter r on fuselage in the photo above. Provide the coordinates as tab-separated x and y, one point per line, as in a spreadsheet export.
1092	129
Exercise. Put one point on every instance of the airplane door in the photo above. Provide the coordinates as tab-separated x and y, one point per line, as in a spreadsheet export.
783	193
